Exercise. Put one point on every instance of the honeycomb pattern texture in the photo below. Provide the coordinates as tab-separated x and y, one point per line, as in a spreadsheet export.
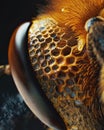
64	72
53	54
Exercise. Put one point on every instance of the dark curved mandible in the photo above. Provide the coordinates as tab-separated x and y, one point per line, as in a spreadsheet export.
26	82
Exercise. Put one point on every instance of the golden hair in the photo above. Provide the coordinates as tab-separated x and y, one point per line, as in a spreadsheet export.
74	13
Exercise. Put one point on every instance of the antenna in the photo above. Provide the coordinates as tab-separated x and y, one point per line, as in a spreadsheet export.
5	70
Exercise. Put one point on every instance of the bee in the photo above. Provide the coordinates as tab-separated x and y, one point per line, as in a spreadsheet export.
58	60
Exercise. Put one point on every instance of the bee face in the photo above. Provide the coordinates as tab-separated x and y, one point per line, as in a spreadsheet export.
57	78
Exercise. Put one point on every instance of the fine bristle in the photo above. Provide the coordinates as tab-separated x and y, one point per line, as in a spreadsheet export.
102	84
75	13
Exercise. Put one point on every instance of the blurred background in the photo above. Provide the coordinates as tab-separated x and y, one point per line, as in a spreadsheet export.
14	114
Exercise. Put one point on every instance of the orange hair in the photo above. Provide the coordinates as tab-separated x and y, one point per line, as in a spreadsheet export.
74	13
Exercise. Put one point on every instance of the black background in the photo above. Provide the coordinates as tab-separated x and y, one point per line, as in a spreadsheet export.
12	14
